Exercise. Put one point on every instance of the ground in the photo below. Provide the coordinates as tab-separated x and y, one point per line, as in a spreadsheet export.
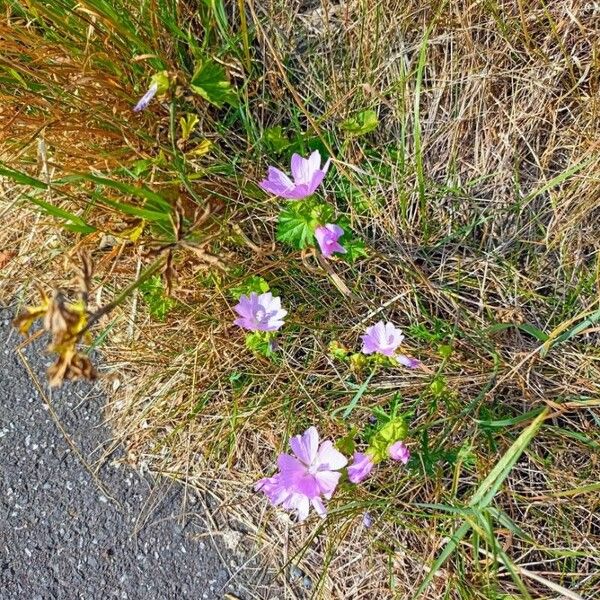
76	523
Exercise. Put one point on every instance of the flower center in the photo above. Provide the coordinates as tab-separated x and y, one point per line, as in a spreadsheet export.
260	314
313	469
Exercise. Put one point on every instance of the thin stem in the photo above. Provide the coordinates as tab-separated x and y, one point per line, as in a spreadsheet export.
144	275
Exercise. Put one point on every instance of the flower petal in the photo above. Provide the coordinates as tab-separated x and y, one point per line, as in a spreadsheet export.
319	507
407	361
330	457
301	170
305	446
327	482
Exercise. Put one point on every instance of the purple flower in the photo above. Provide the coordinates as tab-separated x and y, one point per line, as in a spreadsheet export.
260	313
383	338
361	466
307	173
367	520
399	451
328	236
306	477
407	361
146	98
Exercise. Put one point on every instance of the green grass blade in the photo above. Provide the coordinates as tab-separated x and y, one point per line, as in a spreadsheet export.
22	178
448	550
491	484
72	222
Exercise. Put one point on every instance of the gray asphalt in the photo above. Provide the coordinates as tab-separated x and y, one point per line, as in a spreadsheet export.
69	533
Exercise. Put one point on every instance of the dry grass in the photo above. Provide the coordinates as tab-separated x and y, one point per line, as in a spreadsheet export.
478	198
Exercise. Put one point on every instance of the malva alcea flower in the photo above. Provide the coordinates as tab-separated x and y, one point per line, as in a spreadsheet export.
385	338
260	312
146	98
306	477
159	84
361	467
398	451
327	236
307	174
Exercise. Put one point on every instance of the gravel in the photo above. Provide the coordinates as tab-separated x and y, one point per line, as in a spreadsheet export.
76	525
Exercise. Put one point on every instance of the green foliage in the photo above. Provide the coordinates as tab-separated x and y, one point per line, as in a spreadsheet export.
153	293
69	220
254	283
22	178
355	249
336	350
438	331
299	219
161	80
239	381
346	444
394	430
275	140
188	124
262	342
427	458
210	81
364	122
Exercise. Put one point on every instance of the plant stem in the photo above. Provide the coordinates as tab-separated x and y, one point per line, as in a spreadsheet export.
144	275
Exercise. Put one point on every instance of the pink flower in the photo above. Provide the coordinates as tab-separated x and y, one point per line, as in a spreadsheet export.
306	477
407	361
399	451
260	313
328	236
361	466
307	173
383	338
146	98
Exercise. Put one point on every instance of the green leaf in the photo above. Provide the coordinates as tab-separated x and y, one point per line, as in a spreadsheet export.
210	81
554	340
364	122
22	178
251	284
275	139
355	249
153	292
153	200
491	484
346	444
188	124
72	222
134	211
161	80
395	429
352	405
532	330
261	342
298	221
485	494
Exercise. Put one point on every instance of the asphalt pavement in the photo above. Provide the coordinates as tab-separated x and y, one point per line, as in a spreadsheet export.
76	523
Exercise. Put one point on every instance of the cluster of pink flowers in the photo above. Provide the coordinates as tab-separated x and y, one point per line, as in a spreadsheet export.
307	175
311	474
363	463
263	312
